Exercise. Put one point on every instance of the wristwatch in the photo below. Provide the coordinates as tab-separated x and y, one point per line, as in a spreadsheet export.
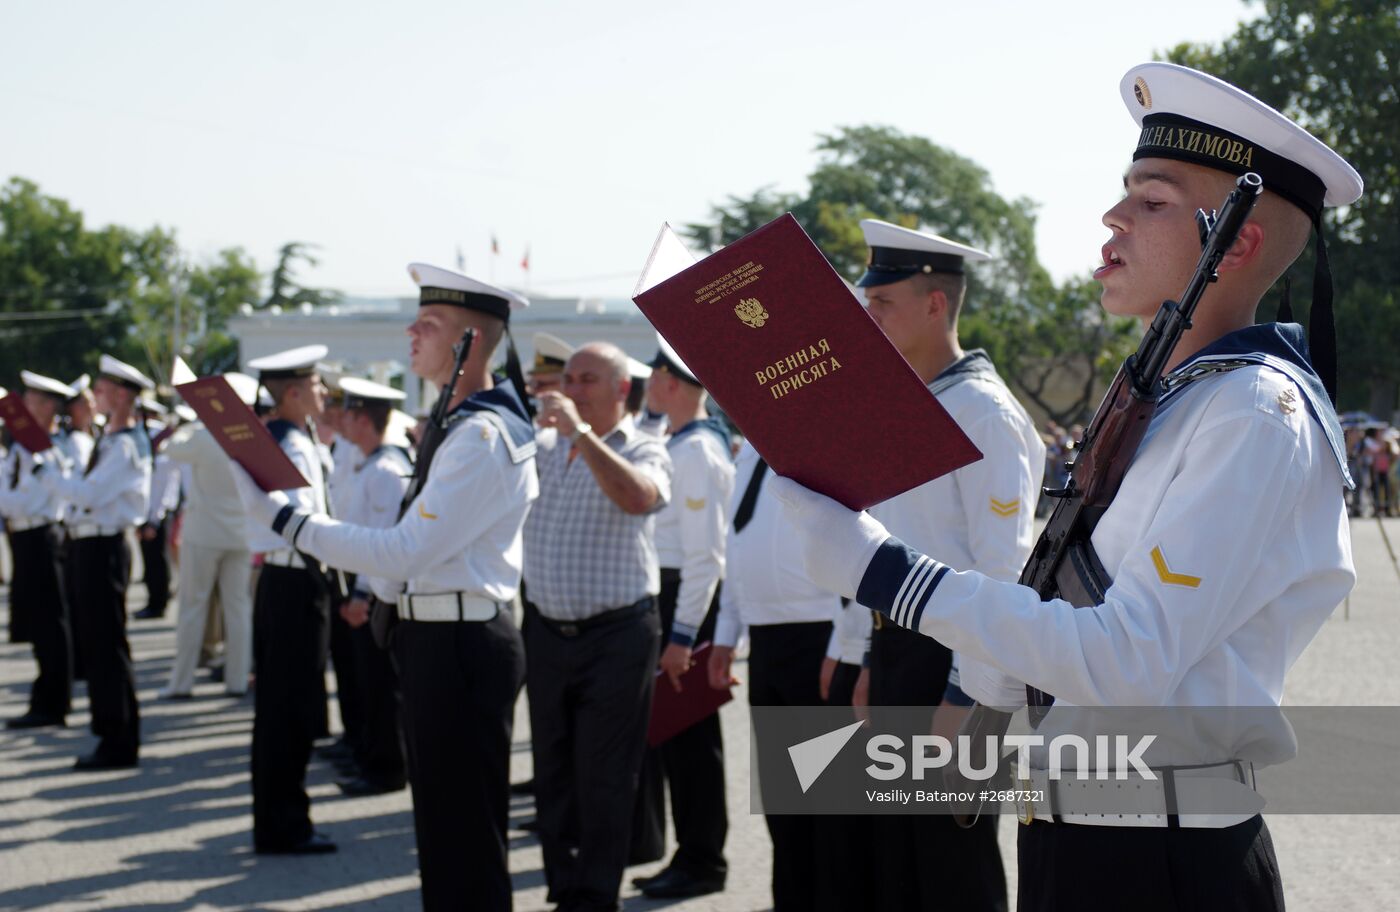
579	430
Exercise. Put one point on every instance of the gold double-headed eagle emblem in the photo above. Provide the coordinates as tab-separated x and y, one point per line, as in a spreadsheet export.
751	312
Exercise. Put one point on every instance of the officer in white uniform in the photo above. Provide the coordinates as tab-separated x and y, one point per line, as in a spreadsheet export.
154	532
84	427
373	492
457	550
1227	544
787	618
981	516
110	496
690	535
291	613
32	516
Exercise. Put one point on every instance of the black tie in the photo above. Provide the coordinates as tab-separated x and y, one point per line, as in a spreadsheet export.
746	505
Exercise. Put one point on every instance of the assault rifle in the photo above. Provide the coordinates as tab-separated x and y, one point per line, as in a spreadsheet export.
1063	563
382	617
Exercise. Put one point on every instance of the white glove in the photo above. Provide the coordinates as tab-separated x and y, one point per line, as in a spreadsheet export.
837	544
989	686
262	506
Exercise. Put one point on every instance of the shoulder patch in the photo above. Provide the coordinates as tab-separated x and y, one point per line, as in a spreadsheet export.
692	503
1006	508
1169	576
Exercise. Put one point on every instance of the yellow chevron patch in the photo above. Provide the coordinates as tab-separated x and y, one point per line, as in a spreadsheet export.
1005	508
1165	574
424	513
693	504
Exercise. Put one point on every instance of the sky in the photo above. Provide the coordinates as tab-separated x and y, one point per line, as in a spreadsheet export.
390	133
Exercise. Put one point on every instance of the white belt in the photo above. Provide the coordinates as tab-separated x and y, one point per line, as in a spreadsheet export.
92	530
24	525
447	606
1195	791
284	557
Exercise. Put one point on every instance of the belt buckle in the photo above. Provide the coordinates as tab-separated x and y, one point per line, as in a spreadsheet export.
568	629
1025	806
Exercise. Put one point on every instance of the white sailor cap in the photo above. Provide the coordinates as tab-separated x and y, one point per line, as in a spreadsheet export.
185	412
443	286
637	370
81	385
123	373
360	393
41	384
551	354
151	406
1192	117
897	253
244	387
289	364
666	359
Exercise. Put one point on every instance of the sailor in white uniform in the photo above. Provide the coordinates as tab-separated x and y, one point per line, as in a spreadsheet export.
1227	544
110	495
981	516
458	549
32	516
291	613
373	492
690	535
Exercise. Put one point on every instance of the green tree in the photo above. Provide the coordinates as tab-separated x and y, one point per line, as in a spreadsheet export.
1334	65
1049	342
63	287
284	290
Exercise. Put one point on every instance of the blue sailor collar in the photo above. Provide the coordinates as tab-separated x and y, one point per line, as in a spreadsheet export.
1283	347
976	363
502	407
712	424
281	429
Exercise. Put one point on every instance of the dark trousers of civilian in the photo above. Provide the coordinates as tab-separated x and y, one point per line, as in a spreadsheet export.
382	757
785	663
459	684
927	861
1067	867
289	652
845	849
346	659
38	590
156	559
590	705
71	572
99	601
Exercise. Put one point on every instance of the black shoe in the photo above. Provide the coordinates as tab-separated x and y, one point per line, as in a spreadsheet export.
340	750
34	719
150	614
216	674
642	882
674	884
523	788
360	787
97	760
315	844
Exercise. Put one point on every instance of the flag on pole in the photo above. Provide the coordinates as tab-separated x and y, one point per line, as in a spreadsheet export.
495	247
461	260
525	261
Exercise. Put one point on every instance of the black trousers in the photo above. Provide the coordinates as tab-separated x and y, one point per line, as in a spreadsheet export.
38	591
926	861
289	651
71	572
692	765
785	663
346	658
459	684
382	757
845	851
156	560
1069	867
590	705
99	600
21	616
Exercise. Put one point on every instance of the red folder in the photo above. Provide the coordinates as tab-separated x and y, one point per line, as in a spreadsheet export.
672	712
790	355
241	433
21	424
